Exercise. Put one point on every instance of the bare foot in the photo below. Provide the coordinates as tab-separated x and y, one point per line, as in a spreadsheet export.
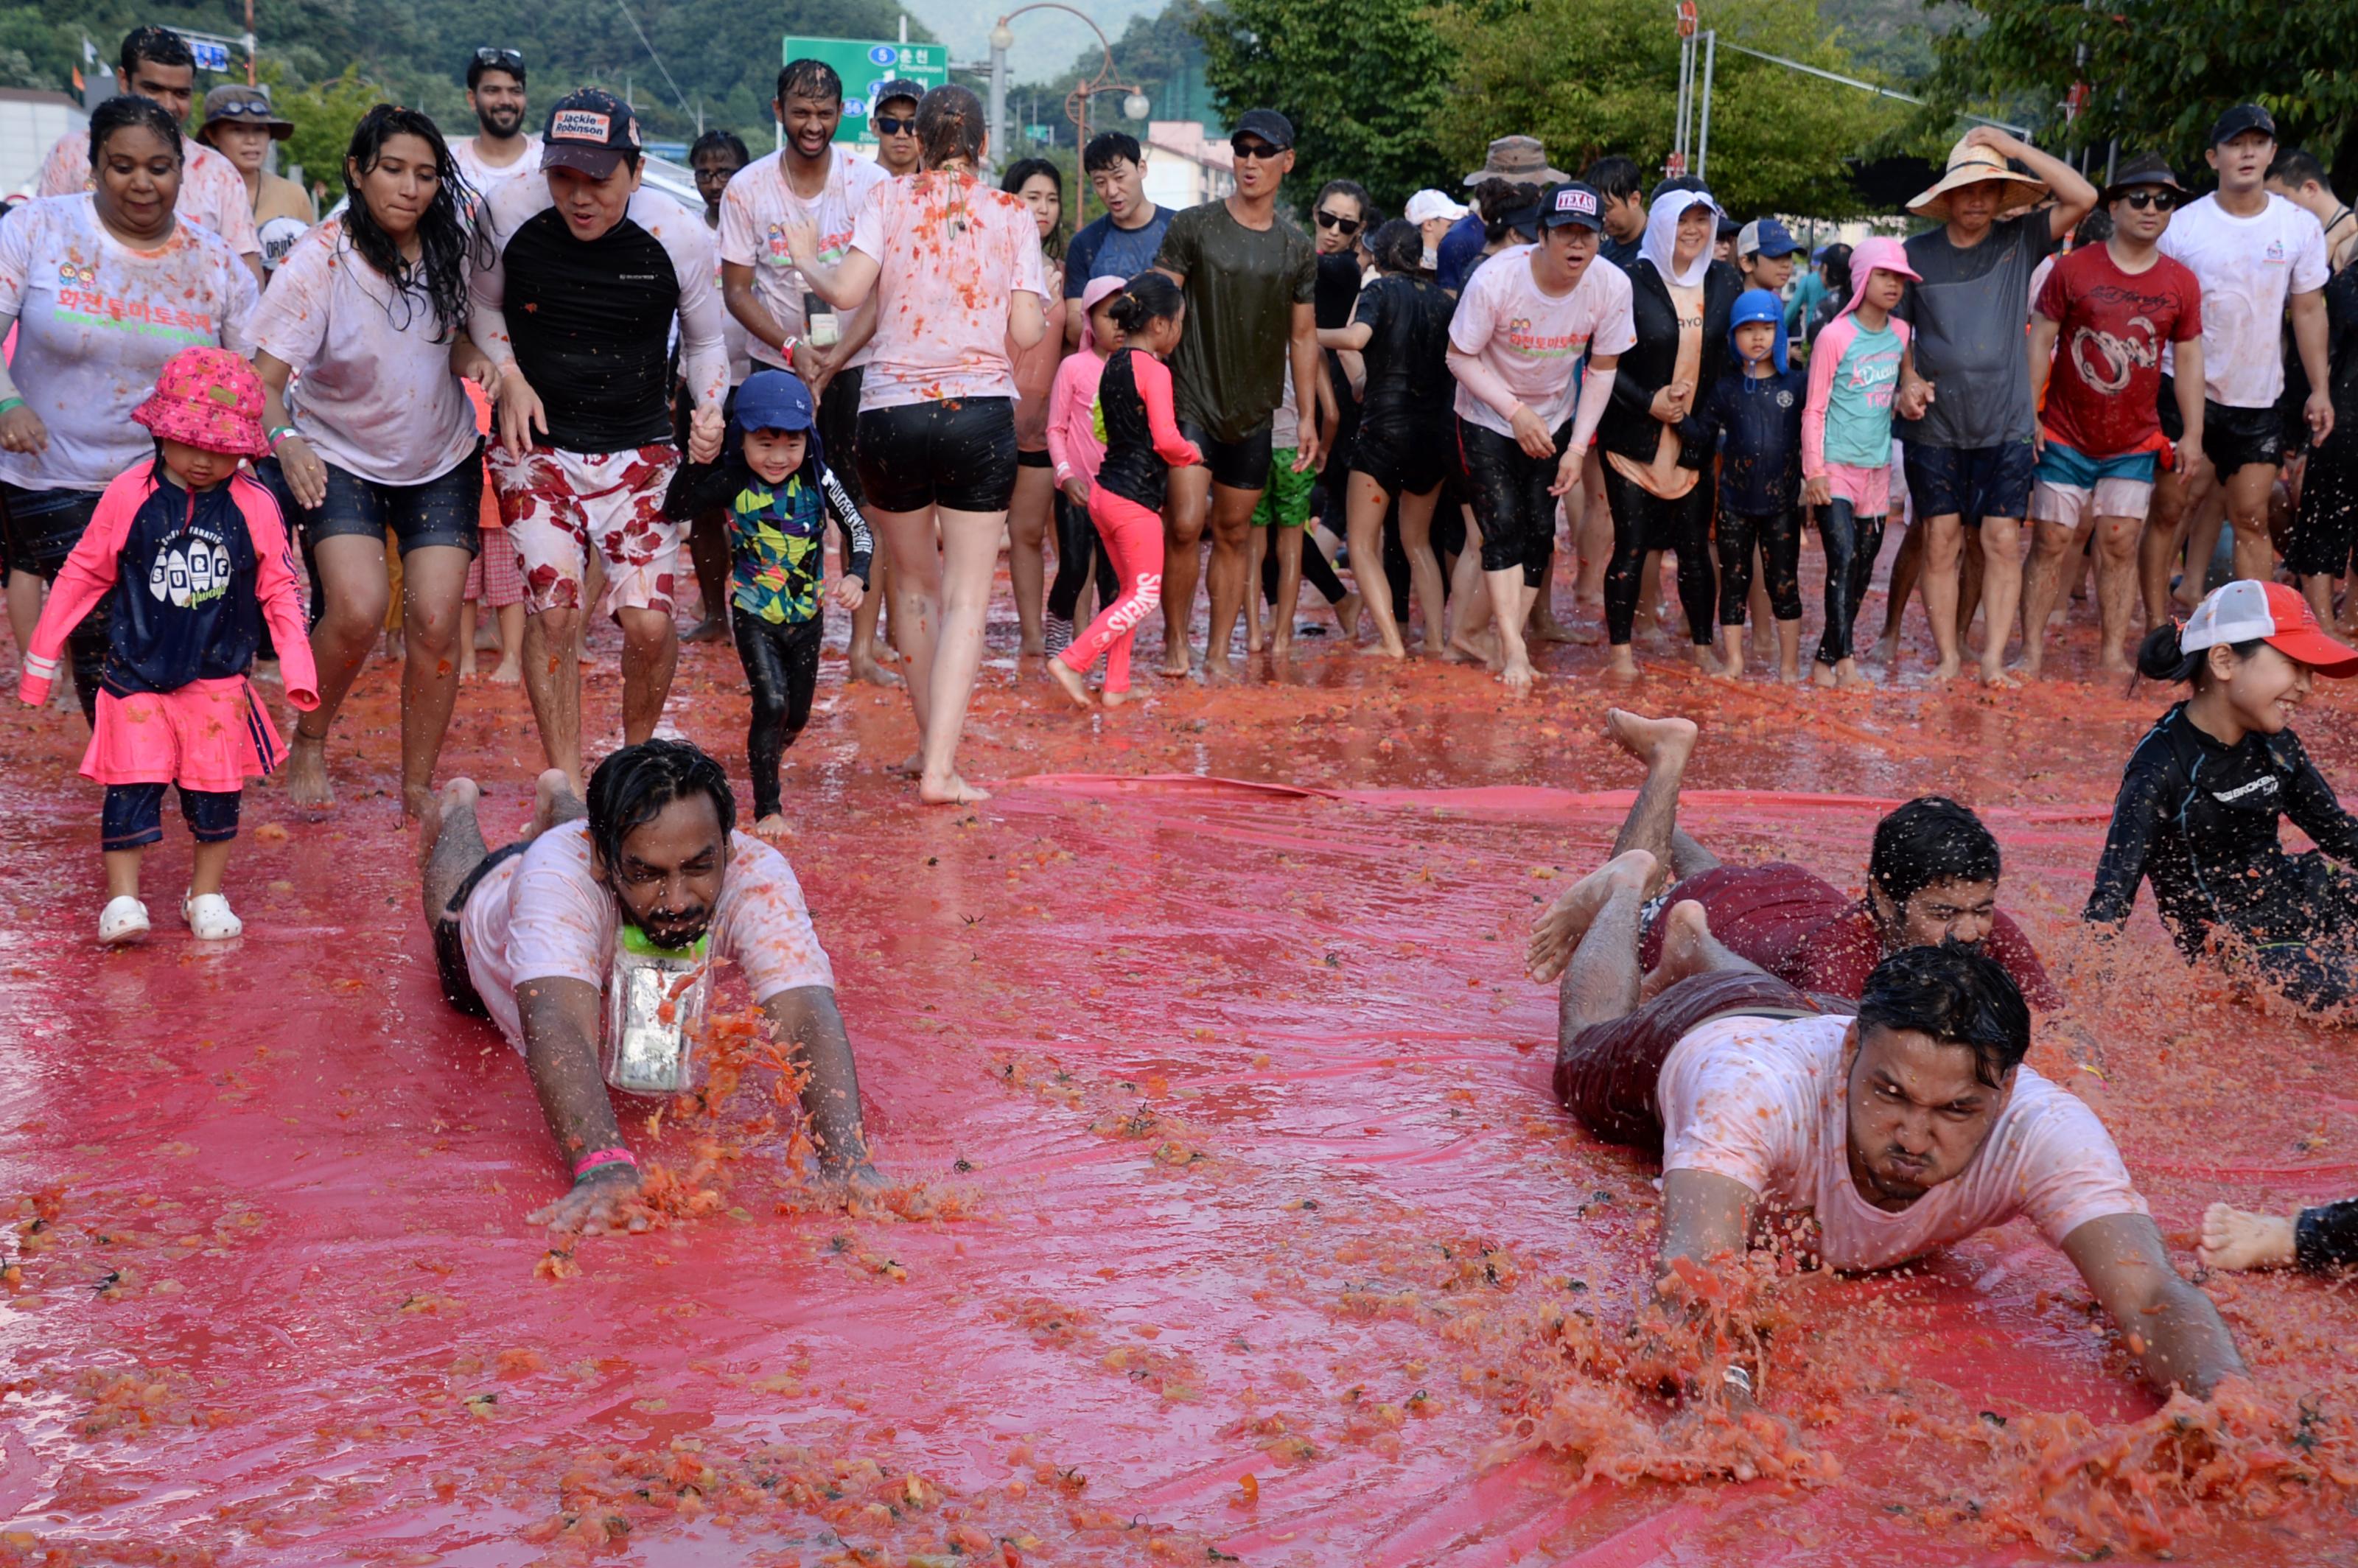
459	793
2000	678
1559	930
466	666
1482	646
1280	649
711	629
1032	645
1519	676
1347	615
1945	671
1114	698
911	766
1848	676
1216	666
1711	663
1887	653
2238	1238
414	799
773	828
507	672
1823	675
306	773
1687	948
1621	663
1546	628
948	789
1065	675
865	668
1175	664
2113	664
396	648
1388	648
550	791
1650	741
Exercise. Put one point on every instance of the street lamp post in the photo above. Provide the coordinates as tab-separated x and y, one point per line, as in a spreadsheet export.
1134	105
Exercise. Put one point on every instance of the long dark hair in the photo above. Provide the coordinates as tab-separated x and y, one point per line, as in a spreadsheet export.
444	234
1399	248
1018	174
949	126
2160	657
126	109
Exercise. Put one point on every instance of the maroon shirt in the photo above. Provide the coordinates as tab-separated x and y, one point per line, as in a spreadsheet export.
1803	930
2114	325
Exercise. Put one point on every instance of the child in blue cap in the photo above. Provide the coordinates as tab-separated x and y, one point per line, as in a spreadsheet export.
775	489
1756	409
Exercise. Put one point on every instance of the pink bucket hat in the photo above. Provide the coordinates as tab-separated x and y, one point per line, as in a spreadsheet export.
208	398
1878	254
1096	294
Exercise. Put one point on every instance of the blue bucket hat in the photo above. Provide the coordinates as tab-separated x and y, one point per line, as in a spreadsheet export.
1752	304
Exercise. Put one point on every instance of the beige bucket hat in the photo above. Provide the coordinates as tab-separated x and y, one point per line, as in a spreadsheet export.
1970	163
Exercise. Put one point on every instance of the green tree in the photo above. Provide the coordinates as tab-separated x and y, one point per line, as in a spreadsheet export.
1591	77
324	116
2160	74
1365	84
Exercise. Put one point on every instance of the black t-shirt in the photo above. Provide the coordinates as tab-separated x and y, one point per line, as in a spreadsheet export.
591	325
1241	285
1408	357
1338	286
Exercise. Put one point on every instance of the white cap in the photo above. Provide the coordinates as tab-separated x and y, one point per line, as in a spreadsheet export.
1426	205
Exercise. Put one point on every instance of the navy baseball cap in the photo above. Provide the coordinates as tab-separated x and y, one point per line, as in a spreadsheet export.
2240	118
1268	124
1766	237
590	130
900	87
1574	204
773	400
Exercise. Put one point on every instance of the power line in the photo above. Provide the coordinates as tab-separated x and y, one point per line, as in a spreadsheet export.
680	97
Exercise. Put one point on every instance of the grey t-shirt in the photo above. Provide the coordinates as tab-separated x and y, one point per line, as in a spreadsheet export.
1970	313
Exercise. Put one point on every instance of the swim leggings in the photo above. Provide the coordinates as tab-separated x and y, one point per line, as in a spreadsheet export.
1133	540
1852	544
2327	1237
1643	521
1316	569
1778	535
1076	550
780	660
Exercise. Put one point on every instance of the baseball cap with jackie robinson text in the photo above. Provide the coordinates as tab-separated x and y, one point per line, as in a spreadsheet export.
593	131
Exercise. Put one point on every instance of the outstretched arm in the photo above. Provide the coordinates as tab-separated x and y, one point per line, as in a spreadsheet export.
805	1021
560	1051
2169	1326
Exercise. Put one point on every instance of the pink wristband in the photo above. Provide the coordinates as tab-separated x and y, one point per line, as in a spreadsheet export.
597	1159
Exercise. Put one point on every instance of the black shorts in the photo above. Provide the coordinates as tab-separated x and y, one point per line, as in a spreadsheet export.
44	526
1240	464
1402	456
449	951
1509	491
445	510
2327	524
838	425
959	453
2232	437
1971	482
1605	1073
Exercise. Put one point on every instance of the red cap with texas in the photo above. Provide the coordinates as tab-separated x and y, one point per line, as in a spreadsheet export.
593	131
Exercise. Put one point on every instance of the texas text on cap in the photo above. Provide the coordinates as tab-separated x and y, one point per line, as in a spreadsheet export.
1574	204
2240	118
590	131
1268	124
2273	613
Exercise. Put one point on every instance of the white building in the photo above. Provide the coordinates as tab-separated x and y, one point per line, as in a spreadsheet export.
31	121
1184	168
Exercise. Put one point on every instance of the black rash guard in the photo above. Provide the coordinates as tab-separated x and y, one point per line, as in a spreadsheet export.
2199	818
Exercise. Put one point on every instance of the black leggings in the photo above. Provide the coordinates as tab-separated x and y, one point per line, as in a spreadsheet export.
1852	544
1778	535
1642	521
44	527
1076	545
1316	569
781	662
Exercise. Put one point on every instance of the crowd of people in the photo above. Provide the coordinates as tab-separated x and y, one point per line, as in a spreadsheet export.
506	373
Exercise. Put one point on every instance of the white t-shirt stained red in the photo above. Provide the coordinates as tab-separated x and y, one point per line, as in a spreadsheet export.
375	395
483	177
544	915
1533	340
211	190
95	322
953	253
2247	267
754	211
1762	1101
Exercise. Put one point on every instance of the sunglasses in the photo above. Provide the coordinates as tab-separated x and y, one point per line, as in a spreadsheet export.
894	125
509	59
1260	151
2141	200
1346	226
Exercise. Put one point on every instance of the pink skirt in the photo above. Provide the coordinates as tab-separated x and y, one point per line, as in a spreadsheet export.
210	735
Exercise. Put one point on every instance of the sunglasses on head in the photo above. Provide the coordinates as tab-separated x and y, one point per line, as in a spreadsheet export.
894	125
509	59
236	110
1259	150
1337	220
2141	200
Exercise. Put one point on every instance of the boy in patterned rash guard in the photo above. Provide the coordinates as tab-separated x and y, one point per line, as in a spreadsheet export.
776	492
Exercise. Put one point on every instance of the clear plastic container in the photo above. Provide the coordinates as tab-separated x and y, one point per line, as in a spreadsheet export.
655	1010
819	325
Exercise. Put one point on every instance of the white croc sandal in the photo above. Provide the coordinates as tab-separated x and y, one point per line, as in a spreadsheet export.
209	918
123	920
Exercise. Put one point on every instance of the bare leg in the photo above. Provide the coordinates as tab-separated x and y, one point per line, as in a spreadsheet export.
1288	544
1907	573
1027	558
1510	602
866	662
509	669
1601	982
969	558
911	540
1256	550
1232	513
356	595
2116	582
1944	548
1651	828
2238	1238
1689	948
2247	509
650	654
1367	504
433	585
24	607
2174	495
1425	567
468	629
2054	544
552	678
453	843
2210	514
2001	594
1185	513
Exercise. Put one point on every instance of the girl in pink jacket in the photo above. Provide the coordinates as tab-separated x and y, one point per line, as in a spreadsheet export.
1075	450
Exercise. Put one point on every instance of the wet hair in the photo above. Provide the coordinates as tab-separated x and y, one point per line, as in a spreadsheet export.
1350	188
156	46
949	126
1615	178
2297	167
812	79
1397	246
443	234
1930	839
1017	173
479	67
2160	658
1108	148
127	109
719	142
1835	264
1958	996
633	785
2095	229
1149	296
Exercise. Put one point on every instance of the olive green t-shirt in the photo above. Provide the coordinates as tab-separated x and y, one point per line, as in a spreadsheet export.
1228	370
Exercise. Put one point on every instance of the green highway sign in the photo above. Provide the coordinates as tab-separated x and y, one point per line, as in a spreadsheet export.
866	64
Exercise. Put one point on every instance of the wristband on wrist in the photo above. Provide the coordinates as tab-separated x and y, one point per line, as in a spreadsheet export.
598	1159
279	433
8	403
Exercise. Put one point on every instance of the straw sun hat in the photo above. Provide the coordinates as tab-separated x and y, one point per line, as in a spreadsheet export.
1970	163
